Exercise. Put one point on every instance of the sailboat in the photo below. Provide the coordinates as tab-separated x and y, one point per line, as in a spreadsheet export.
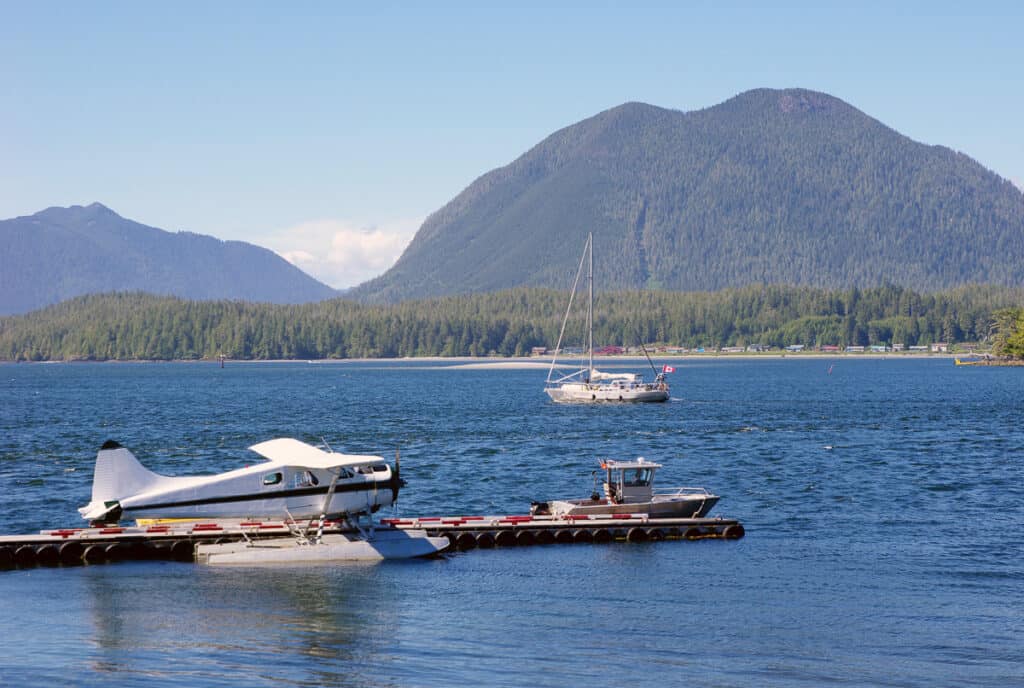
587	384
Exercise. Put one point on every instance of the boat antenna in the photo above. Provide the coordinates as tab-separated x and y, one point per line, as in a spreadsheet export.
568	309
324	440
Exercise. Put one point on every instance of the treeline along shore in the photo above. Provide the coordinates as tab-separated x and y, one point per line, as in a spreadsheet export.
136	326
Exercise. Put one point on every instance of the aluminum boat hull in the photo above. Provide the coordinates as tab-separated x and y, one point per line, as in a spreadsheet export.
695	506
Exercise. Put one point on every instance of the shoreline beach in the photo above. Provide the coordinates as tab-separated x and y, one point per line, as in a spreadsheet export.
510	363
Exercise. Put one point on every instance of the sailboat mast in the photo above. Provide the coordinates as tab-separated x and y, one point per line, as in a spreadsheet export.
590	309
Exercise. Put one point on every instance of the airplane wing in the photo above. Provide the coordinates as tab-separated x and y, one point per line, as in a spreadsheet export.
291	452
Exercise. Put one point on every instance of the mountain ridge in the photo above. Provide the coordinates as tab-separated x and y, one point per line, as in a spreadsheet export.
63	252
771	186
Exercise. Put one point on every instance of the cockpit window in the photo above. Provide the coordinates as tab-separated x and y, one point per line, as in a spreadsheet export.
305	479
273	478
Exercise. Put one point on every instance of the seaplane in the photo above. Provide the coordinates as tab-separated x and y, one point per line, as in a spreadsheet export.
298	483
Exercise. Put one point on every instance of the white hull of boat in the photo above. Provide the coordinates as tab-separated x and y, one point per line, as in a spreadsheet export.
333	548
582	393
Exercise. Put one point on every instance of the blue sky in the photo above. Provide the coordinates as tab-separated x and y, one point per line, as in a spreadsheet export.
329	131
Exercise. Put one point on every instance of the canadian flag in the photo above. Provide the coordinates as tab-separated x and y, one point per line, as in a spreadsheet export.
668	369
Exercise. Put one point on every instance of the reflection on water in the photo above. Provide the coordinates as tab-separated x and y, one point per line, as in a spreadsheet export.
293	624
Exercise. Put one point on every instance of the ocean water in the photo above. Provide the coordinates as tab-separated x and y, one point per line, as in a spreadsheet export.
883	504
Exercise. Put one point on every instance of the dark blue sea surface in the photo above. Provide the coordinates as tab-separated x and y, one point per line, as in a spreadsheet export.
882	504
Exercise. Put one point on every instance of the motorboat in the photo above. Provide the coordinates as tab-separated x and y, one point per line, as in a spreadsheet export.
589	385
628	488
300	483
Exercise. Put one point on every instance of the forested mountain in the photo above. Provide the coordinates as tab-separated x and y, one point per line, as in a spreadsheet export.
772	186
60	253
140	326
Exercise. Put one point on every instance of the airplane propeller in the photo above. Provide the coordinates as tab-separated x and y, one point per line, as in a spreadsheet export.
396	478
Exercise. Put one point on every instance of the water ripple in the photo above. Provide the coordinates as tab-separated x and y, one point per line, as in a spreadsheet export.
882	506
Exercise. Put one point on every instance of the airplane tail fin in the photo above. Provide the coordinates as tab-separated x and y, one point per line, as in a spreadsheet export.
118	474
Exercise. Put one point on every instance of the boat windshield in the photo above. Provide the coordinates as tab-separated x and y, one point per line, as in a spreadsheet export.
637	477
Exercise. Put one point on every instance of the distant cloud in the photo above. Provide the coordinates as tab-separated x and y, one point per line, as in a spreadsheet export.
343	253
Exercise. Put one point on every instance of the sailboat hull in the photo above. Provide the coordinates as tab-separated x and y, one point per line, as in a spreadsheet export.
582	393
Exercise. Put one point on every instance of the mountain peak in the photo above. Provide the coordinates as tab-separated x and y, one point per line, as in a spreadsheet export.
788	101
75	213
798	100
98	207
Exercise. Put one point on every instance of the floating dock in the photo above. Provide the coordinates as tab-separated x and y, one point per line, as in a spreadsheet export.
177	541
470	532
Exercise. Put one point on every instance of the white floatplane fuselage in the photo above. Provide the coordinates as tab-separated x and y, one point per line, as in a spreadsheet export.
294	482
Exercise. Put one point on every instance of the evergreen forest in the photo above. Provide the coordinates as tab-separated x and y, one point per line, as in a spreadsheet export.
136	326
